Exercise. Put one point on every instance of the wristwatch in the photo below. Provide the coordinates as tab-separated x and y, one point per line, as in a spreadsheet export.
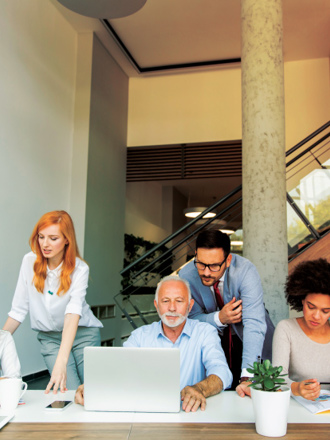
244	379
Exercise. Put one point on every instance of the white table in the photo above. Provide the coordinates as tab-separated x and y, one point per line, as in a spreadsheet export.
226	407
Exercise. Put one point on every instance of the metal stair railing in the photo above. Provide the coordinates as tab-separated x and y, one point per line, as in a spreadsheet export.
183	229
306	153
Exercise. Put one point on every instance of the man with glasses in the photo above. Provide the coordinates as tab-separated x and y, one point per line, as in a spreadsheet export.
228	294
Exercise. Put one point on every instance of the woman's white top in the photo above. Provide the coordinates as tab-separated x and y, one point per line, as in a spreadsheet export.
47	309
9	361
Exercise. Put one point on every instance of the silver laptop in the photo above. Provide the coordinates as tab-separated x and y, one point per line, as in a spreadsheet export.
132	379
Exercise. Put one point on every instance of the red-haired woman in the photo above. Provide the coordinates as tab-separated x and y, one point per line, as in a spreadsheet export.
52	287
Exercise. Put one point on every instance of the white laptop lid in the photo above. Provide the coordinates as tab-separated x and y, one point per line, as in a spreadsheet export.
132	379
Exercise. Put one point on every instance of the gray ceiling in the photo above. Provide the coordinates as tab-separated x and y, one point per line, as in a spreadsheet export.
172	32
176	32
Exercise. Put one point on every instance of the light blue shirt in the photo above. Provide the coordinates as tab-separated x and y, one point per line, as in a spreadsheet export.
201	353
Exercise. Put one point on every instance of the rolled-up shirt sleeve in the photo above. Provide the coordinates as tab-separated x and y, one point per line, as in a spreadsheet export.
10	364
214	359
78	290
20	304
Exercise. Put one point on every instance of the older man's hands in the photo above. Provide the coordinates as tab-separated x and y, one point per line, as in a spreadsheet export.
195	396
192	398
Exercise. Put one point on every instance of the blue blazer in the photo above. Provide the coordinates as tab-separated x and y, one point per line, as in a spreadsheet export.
241	281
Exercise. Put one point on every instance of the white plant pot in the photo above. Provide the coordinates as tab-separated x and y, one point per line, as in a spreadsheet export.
271	411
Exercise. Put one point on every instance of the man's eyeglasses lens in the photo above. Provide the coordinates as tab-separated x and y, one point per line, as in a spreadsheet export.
212	267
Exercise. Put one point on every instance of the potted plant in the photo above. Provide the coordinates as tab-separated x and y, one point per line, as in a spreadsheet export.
270	399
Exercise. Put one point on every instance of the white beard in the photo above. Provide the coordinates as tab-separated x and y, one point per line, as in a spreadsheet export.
179	321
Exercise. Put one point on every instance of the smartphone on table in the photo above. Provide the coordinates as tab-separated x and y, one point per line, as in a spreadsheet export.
58	405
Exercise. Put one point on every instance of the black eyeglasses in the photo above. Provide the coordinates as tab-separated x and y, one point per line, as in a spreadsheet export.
213	267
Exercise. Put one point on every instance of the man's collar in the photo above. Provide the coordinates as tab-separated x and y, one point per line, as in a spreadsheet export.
187	329
223	276
160	329
220	280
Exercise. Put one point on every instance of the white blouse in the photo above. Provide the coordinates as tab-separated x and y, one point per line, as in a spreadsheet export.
47	309
9	361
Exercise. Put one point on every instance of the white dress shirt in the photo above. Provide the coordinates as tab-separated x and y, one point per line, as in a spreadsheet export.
47	309
9	361
216	314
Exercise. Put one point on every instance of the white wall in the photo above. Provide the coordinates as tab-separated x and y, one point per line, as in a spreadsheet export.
81	129
37	88
149	208
187	107
63	114
307	97
105	202
206	106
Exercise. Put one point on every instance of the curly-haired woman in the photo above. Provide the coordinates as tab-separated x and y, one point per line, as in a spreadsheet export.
302	345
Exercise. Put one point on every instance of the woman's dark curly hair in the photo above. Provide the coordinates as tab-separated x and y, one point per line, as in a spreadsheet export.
308	277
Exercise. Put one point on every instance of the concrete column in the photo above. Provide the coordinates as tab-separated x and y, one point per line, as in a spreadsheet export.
264	186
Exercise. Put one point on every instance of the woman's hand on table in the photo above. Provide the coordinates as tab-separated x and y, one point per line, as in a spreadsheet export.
308	389
58	378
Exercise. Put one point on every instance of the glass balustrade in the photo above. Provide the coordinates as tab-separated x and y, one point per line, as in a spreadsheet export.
311	195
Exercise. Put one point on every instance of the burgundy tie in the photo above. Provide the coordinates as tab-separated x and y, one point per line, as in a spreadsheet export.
226	340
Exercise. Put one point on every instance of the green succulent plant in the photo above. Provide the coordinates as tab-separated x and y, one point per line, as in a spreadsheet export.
265	376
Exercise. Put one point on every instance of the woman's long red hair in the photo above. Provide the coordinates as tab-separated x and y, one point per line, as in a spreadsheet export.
71	251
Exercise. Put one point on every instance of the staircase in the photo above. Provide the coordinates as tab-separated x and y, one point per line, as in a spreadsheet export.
308	213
